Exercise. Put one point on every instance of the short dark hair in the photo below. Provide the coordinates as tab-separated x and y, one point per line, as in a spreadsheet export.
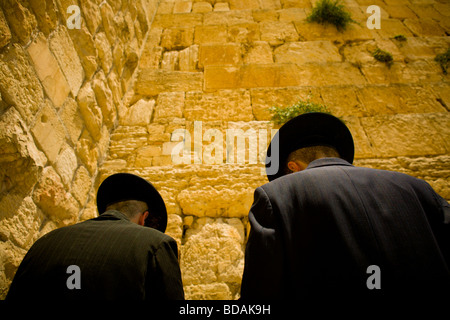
309	154
130	208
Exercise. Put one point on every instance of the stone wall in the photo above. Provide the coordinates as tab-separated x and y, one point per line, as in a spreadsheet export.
61	91
207	72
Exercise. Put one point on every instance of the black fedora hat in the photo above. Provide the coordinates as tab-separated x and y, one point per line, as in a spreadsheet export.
306	130
126	186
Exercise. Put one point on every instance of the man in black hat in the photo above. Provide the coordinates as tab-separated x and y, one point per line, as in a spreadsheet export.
323	228
123	254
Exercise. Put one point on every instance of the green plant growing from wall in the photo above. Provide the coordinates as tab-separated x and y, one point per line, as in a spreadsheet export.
281	115
444	60
383	56
400	37
333	12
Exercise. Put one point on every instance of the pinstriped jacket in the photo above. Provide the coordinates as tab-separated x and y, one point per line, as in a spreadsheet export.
117	259
314	234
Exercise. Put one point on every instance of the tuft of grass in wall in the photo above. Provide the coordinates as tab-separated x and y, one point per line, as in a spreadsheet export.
400	37
444	60
383	56
280	115
333	12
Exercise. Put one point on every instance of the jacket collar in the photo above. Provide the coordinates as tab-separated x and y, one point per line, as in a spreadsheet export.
323	162
112	215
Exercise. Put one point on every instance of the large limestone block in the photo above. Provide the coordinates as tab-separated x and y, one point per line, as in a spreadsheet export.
20	220
48	70
152	82
219	54
51	197
81	185
278	32
177	20
19	85
210	34
210	291
213	200
139	114
259	52
309	51
20	160
231	105
398	99
251	76
62	46
213	255
104	98
71	119
169	105
49	131
20	20
91	112
177	38
425	27
408	134
230	18
86	49
5	33
66	164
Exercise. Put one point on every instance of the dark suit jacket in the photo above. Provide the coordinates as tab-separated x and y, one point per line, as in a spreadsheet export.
118	259
314	234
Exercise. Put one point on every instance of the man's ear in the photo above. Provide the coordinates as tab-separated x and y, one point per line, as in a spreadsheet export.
296	166
142	218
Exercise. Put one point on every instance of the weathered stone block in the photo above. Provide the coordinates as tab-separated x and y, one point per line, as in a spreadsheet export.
229	18
139	114
182	7
306	52
90	111
219	55
86	49
48	71
87	152
49	131
20	162
233	105
66	164
152	82
188	59
201	7
425	27
104	99
5	33
214	254
177	38
19	85
91	14
104	51
20	20
169	105
210	34
63	49
259	52
71	119
81	185
276	33
409	134
20	220
55	202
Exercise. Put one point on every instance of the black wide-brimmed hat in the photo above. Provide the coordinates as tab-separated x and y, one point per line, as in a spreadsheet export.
126	186
306	130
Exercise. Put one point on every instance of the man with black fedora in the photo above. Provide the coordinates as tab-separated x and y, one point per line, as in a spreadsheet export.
123	254
324	230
